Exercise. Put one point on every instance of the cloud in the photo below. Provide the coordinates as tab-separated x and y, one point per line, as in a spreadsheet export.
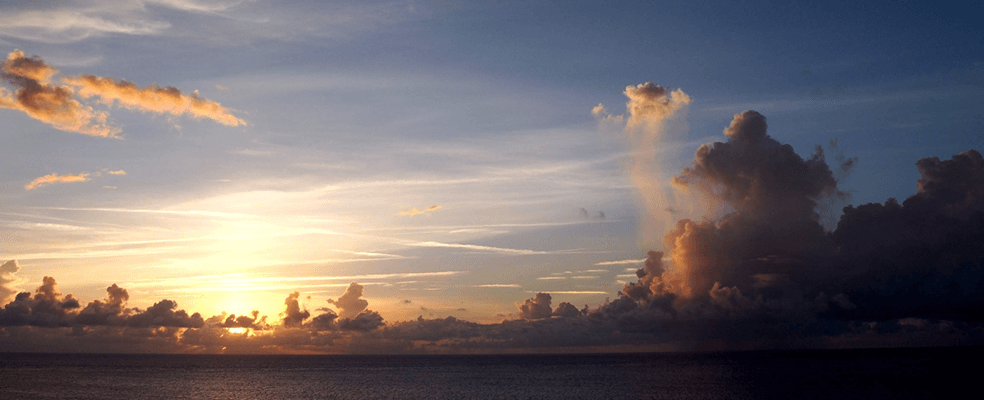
415	211
152	98
620	262
651	127
60	106
760	273
350	304
650	103
48	308
80	177
43	101
8	282
80	21
536	307
293	316
55	178
364	322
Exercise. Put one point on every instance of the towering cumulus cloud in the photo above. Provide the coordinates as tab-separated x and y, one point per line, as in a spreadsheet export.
59	105
8	282
767	265
649	129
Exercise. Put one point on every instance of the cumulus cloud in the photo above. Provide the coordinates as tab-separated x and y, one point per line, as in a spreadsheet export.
48	307
650	104
8	281
293	315
536	307
253	321
762	274
59	104
651	126
414	211
351	303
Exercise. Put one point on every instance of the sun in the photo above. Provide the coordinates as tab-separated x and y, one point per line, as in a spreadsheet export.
237	330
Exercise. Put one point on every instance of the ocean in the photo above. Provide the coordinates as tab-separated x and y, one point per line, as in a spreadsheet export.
923	373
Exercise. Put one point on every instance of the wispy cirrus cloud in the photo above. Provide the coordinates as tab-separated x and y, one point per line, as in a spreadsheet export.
414	211
621	262
74	21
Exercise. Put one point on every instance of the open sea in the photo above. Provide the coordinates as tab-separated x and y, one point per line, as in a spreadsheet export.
815	374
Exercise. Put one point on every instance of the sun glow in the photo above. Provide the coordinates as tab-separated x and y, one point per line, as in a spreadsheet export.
237	331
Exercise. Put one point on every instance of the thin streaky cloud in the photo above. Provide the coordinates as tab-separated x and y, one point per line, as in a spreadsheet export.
575	292
414	211
620	262
594	271
197	213
491	249
498	285
244	278
551	278
90	254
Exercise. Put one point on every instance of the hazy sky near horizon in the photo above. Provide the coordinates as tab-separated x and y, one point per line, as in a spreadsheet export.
443	154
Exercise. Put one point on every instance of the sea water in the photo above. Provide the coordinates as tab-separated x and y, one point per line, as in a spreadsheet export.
829	374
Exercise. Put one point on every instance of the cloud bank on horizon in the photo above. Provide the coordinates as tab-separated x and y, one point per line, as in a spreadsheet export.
753	268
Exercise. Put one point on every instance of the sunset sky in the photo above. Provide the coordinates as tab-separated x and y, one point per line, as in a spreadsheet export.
455	158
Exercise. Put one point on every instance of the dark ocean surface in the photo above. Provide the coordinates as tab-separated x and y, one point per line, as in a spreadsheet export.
830	374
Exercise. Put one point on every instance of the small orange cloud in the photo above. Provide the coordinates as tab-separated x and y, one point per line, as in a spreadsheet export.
81	177
55	178
415	211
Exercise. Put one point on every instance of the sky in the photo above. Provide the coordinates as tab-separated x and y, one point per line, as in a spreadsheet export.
495	176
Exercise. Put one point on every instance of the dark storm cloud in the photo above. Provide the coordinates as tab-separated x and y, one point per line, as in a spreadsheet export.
924	257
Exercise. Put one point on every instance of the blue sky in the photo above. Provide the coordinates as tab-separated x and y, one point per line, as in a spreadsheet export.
357	113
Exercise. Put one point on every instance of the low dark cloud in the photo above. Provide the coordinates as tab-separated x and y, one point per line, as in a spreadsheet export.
350	303
49	308
293	315
537	307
